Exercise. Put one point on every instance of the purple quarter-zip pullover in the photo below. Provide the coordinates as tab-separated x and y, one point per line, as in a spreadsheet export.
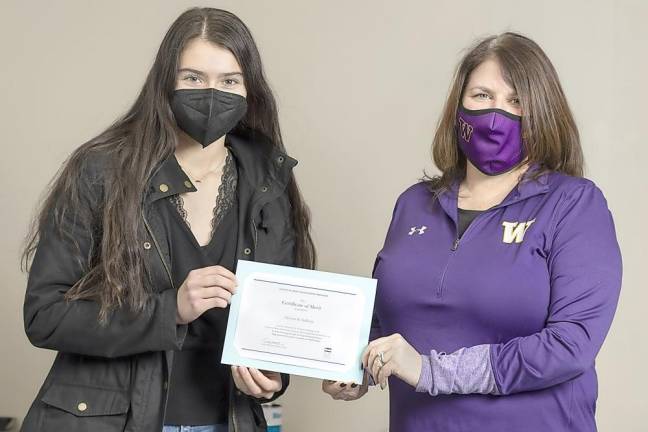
536	279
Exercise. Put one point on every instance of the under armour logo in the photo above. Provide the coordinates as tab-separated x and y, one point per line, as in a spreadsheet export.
514	231
416	229
465	129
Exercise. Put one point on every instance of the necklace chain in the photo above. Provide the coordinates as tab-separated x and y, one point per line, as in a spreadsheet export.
198	179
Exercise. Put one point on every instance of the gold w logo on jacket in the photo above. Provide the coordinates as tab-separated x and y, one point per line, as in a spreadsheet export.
514	231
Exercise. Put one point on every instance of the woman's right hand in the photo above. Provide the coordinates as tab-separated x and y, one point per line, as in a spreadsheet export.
203	289
345	391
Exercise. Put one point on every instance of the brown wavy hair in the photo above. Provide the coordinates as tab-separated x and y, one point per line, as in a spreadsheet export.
136	144
549	131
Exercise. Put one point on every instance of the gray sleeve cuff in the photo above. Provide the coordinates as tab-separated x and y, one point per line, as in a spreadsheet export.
465	371
425	380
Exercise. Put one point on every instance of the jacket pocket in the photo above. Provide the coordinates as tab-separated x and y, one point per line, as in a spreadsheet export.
74	408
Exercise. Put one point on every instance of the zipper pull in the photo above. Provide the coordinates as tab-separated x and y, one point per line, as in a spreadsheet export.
455	245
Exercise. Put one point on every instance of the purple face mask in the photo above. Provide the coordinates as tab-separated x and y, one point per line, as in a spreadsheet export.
491	139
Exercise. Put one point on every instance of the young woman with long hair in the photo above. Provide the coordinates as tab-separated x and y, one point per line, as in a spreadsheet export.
132	255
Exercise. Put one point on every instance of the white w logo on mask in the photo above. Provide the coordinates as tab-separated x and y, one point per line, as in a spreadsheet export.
465	129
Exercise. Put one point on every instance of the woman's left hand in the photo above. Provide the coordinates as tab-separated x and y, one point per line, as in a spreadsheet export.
392	355
253	382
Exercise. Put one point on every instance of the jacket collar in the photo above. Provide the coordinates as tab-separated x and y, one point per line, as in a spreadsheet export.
259	160
527	188
263	164
169	179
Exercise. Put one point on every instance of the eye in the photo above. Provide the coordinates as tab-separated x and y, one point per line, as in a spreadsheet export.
515	101
192	78
230	82
481	96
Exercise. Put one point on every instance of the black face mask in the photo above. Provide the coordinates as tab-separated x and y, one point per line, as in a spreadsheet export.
207	114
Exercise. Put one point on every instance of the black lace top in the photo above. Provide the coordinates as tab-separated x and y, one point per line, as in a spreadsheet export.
199	383
225	199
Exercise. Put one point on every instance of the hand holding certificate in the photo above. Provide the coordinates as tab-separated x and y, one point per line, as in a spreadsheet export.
301	322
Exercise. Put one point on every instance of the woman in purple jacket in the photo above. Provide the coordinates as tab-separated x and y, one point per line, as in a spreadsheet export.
499	279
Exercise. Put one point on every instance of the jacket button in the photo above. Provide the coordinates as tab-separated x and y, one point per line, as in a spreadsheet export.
281	159
247	251
165	385
164	187
82	406
147	245
188	184
264	189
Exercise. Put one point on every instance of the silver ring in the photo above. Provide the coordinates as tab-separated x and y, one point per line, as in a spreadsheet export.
379	360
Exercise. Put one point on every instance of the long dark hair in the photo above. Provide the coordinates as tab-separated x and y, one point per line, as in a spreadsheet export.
549	131
135	145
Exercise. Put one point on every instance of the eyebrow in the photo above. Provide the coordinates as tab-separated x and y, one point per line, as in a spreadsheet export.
230	74
200	73
487	90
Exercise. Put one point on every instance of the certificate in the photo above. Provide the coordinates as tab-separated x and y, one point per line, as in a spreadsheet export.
301	322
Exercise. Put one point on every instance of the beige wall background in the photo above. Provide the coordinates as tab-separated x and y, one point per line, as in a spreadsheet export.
360	86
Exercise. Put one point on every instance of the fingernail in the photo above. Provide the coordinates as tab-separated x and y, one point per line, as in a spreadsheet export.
382	386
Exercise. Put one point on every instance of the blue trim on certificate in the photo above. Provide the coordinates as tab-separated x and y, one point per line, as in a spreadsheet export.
246	269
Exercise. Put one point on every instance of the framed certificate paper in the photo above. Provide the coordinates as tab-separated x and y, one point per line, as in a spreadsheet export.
301	322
